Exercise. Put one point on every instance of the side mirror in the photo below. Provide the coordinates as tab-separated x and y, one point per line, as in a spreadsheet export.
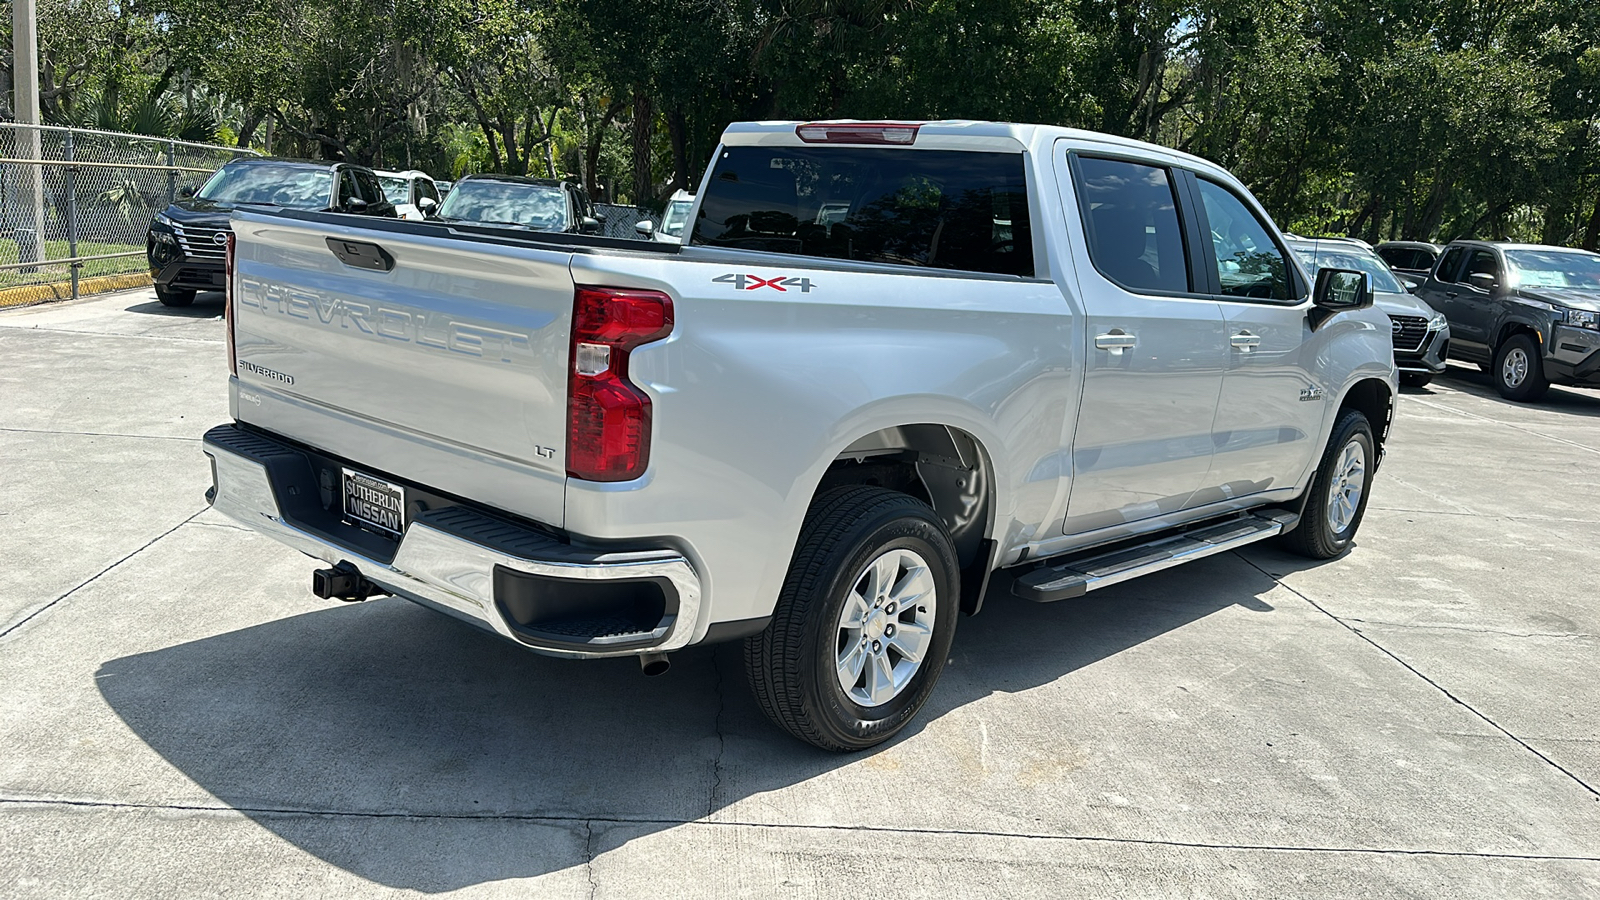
186	192
645	227
428	205
355	204
1339	290
591	225
1483	281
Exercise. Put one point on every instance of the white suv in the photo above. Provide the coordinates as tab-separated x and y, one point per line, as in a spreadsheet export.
413	193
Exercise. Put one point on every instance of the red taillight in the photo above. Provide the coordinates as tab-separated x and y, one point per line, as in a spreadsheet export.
858	133
608	418
227	304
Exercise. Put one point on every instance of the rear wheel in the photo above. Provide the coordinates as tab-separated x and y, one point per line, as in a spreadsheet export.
172	297
1338	492
1518	370
863	624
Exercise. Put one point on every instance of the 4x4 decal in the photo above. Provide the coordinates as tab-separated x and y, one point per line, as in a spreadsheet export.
752	282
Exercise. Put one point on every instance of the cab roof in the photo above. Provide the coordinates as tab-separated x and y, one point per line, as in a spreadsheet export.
954	134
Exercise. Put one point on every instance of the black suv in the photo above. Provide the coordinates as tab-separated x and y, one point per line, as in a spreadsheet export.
1527	313
541	204
186	241
1410	260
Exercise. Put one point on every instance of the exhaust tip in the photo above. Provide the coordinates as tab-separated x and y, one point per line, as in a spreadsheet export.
653	664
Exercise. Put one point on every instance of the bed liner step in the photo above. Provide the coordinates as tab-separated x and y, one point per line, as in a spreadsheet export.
1076	577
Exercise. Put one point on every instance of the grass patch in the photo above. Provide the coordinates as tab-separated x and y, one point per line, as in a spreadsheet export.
48	271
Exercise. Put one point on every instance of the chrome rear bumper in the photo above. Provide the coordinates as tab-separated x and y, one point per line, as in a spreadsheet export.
452	559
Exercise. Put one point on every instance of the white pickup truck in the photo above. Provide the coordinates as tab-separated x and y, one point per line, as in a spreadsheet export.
889	360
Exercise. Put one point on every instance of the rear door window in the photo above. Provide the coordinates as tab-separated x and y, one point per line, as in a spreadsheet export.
941	209
1130	215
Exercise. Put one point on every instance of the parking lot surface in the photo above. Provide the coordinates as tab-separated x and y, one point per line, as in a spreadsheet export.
180	717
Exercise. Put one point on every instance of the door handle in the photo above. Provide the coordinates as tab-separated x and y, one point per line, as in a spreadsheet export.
1116	340
1244	341
1449	293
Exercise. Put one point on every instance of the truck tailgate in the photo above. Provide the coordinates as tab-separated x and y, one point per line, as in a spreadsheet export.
448	358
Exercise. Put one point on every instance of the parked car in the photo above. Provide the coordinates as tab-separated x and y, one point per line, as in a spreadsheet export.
1421	335
888	361
1410	260
444	187
673	218
186	242
1528	314
540	204
413	193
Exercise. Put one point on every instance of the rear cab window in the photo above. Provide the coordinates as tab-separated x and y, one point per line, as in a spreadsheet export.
942	209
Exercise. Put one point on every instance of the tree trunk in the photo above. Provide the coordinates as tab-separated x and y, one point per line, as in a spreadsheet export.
1435	211
680	155
550	143
1493	212
643	121
247	128
1591	234
1360	219
591	153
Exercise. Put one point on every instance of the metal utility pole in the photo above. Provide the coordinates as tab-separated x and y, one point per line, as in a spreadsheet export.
29	233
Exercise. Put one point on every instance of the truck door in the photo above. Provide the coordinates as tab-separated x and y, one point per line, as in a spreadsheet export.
1271	410
1156	348
1440	290
1473	307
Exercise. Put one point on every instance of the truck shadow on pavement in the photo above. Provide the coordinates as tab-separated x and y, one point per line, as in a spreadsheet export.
419	753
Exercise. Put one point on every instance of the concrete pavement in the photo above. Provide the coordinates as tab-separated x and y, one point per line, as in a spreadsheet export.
178	716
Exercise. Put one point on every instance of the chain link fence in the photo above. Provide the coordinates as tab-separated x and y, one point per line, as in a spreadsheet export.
75	205
621	219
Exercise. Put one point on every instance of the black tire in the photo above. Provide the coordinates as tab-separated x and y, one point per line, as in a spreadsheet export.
793	665
1316	537
175	298
1415	379
1533	384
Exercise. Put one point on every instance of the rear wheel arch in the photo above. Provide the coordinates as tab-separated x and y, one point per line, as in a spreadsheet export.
945	466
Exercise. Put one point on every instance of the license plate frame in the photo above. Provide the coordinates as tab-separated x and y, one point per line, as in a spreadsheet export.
372	503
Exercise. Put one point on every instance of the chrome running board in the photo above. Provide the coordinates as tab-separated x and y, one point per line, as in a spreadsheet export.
1076	577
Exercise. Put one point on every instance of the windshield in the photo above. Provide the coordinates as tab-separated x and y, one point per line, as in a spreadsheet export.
1349	256
1555	268
296	187
395	188
538	206
675	217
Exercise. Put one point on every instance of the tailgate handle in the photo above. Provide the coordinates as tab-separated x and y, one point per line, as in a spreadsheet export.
361	254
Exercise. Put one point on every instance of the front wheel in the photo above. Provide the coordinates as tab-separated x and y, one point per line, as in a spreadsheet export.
863	624
171	297
1518	371
1338	492
1415	379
